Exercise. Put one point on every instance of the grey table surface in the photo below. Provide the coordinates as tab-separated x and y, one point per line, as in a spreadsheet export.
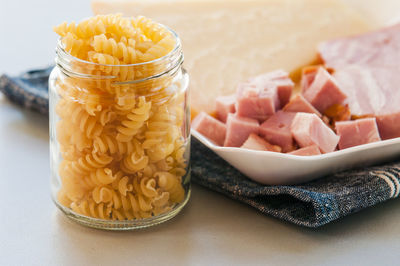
211	230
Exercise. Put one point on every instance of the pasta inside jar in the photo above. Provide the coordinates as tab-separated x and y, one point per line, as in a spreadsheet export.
119	122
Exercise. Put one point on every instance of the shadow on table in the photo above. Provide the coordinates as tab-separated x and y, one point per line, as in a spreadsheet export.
219	227
87	246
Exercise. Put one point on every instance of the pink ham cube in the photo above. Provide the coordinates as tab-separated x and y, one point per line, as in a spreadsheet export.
309	129
238	129
300	104
276	130
307	77
389	124
358	132
285	89
254	142
324	91
281	80
224	106
256	101
307	151
210	128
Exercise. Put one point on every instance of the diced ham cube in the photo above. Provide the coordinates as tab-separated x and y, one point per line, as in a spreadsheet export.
238	129
276	130
224	106
309	129
254	142
210	128
324	91
256	101
300	104
307	151
307	77
285	89
389	125
357	132
261	96
281	80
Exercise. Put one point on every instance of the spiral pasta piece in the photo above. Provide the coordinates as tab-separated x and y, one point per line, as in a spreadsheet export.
134	163
85	29
102	194
135	120
103	176
86	123
90	162
160	135
125	103
73	45
122	183
108	144
91	208
171	184
124	186
123	50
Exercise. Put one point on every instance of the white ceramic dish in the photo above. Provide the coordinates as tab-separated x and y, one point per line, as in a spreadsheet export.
274	168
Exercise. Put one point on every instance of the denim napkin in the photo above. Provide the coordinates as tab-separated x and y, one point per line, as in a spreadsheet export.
29	90
311	204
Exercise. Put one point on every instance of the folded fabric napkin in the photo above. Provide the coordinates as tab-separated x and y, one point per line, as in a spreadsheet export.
29	90
311	204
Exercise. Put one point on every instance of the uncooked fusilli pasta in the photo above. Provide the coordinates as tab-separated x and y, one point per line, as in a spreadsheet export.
122	142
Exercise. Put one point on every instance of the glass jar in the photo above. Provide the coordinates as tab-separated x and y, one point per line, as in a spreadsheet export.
120	140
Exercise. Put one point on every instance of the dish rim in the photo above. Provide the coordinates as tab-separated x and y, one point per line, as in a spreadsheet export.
338	153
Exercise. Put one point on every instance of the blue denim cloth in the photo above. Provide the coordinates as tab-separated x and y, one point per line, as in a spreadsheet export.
311	204
29	90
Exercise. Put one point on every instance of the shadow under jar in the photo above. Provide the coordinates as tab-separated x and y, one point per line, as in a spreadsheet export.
120	140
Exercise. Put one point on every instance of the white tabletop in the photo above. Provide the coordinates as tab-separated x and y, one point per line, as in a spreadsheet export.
211	230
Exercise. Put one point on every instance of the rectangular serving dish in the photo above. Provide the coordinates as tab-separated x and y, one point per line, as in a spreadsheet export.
272	168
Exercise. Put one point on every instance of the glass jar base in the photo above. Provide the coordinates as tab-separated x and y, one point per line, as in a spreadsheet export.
123	225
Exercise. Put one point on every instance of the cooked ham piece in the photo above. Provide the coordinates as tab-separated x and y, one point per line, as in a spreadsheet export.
299	104
261	96
324	91
238	129
307	77
276	130
357	132
285	89
367	69
307	151
308	129
225	105
254	142
256	101
210	127
378	48
281	80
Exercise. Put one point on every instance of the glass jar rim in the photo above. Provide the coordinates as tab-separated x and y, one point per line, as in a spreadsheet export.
64	58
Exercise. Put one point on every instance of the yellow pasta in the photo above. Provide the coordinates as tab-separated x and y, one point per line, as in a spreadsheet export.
121	141
91	208
109	144
171	184
122	183
135	120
